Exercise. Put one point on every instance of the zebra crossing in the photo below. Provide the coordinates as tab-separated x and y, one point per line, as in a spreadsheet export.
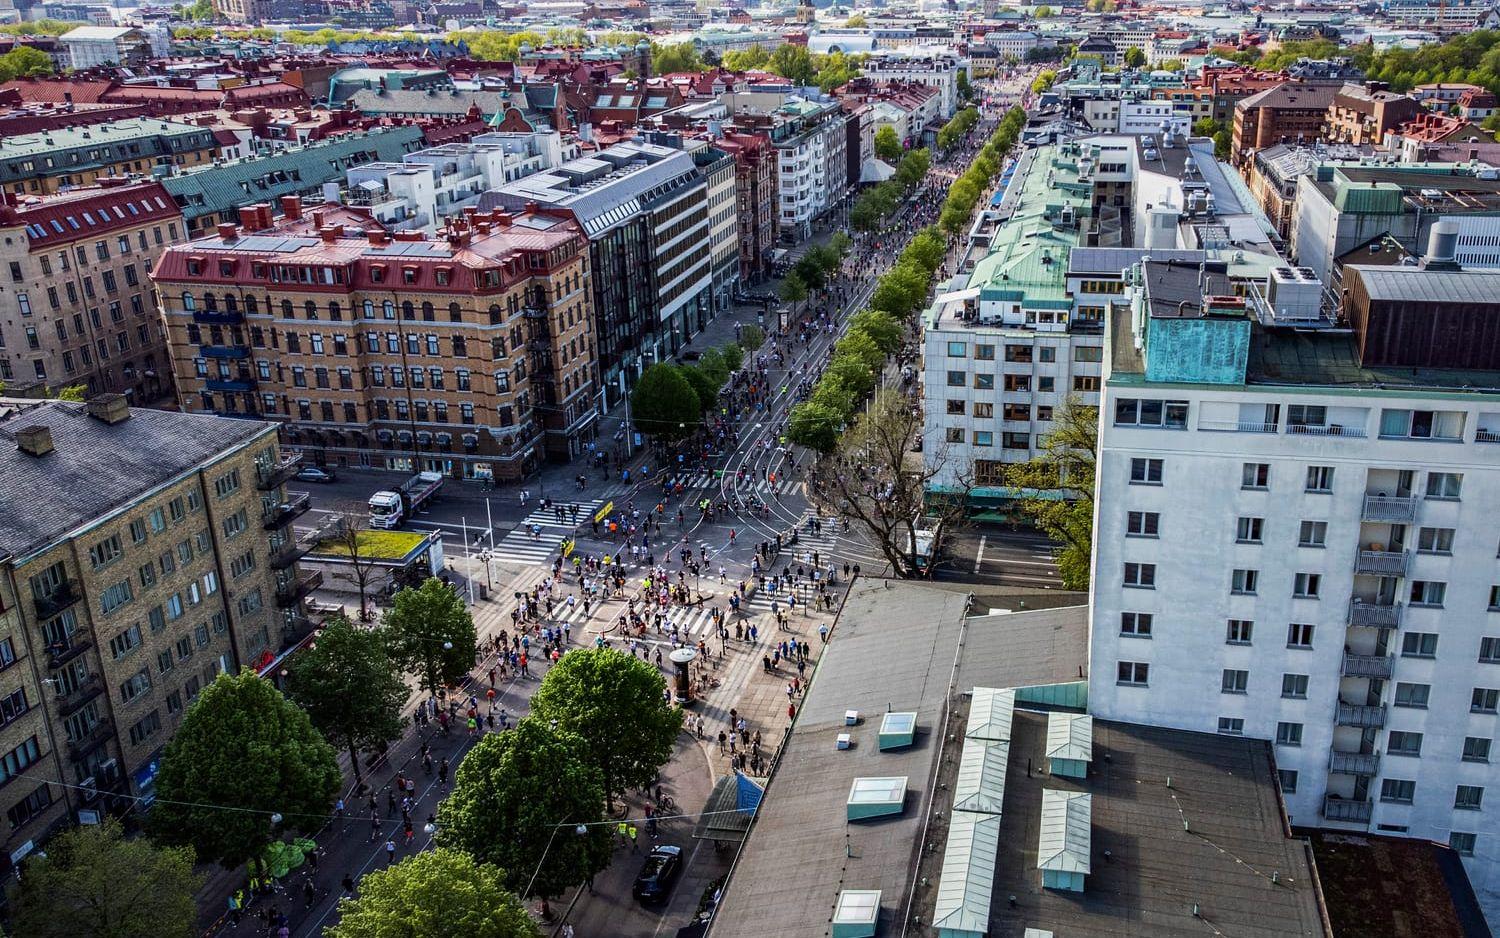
522	545
692	623
708	480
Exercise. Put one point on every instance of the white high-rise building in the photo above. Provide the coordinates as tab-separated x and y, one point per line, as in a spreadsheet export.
1295	538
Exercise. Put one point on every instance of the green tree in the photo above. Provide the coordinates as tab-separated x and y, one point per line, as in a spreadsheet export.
1067	465
1042	12
1223	143
24	62
927	250
732	355
857	21
794	63
815	425
752	337
853	373
793	288
93	883
901	291
1134	57
705	388
350	689
1206	127
429	631
616	702
433	894
243	755
912	168
862	349
615	37
567	36
516	799
887	144
965	89
1043	80
835	69
881	328
752	59
664	404
712	364
201	11
678	57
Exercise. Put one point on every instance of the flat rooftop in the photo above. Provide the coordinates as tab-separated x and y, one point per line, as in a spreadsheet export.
894	646
1397	887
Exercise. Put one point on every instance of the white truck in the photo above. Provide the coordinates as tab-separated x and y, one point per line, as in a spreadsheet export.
389	508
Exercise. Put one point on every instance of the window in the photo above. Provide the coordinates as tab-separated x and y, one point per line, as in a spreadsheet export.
1234	681
1294	686
1145	471
1412	695
1428	592
227	484
1243	582
1299	635
1419	645
235	524
29	807
1255	475
1238	632
984	438
956	379
147	727
986	353
1319	479
1468	797
954	434
1130	412
125	642
1306	415
1248	530
1476	749
137	531
984	382
958	349
13	705
1307	585
1398	790
1312	534
1400	743
1462	843
1288	780
1134	673
1140	575
1231	726
116	596
19	758
1444	485
1435	541
956	407
1422	424
106	551
1136	624
1288	734
1484	700
136	685
1489	650
1142	523
1495	598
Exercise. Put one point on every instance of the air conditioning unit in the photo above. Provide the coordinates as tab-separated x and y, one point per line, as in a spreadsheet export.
109	770
89	788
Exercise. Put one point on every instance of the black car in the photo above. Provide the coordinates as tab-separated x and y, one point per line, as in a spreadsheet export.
660	869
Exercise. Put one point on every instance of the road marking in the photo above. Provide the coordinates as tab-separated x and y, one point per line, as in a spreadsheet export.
979	554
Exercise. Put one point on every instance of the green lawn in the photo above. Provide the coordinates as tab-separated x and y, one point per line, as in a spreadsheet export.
373	545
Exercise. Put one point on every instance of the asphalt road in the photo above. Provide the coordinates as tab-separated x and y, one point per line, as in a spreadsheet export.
999	555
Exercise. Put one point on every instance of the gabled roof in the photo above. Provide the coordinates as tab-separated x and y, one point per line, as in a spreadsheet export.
980	785
967	881
990	714
1064	841
1070	736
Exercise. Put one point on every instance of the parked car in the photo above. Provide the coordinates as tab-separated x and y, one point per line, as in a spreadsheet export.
315	474
662	865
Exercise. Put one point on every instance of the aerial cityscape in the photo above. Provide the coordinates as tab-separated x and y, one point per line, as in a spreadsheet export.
931	468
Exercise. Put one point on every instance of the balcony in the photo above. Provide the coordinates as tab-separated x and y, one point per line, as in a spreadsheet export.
269	476
60	653
242	383
1347	809
62	596
1374	615
1331	429
289	553
1353	763
295	630
1486	436
1394	509
290	594
79	749
1236	426
1380	666
70	702
224	351
281	515
1361	715
217	317
1381	562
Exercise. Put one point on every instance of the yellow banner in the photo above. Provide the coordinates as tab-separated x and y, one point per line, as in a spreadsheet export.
603	513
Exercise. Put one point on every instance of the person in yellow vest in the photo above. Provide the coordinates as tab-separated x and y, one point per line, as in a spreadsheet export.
633	833
623	830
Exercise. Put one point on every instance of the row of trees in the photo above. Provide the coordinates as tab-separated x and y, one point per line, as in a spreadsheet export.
879	202
669	400
966	190
957	128
1220	131
1043	80
795	63
814	268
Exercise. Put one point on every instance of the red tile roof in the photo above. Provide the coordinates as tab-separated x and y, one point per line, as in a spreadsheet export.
89	212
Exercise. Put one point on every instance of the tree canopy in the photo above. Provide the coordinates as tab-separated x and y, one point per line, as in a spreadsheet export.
243	754
349	687
429	631
433	894
24	62
664	404
887	143
94	883
1066	463
616	702
516	798
677	57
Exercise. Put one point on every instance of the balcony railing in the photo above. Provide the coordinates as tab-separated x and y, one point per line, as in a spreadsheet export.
1381	562
1396	509
61	597
1374	615
60	653
1487	436
1236	426
1361	715
289	553
245	383
217	317
1331	429
1380	666
294	592
224	351
1347	809
271	475
79	749
281	515
1353	763
70	702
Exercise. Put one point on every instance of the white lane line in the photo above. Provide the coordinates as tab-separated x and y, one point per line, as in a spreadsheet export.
979	554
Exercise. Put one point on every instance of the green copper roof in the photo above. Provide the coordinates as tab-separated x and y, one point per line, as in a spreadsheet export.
1028	259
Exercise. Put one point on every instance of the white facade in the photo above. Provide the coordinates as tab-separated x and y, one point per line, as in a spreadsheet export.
1008	44
938	69
1269	563
1147	117
93	46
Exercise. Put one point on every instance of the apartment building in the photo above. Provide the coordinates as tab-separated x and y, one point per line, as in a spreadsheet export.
78	307
1294	539
938	68
1364	114
46	161
471	354
718	169
755	200
809	135
1291	113
94	46
144	552
644	209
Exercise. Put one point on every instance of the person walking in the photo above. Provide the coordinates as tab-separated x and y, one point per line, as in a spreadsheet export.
390	852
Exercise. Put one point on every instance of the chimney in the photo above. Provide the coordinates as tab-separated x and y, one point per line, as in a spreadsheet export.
35	440
330	233
377	237
249	217
317	219
228	231
291	207
110	408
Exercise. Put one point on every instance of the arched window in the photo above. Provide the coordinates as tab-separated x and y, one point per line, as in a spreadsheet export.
427	313
496	314
369	309
188	303
334	312
210	302
286	309
311	309
252	305
388	309
231	303
455	313
407	310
